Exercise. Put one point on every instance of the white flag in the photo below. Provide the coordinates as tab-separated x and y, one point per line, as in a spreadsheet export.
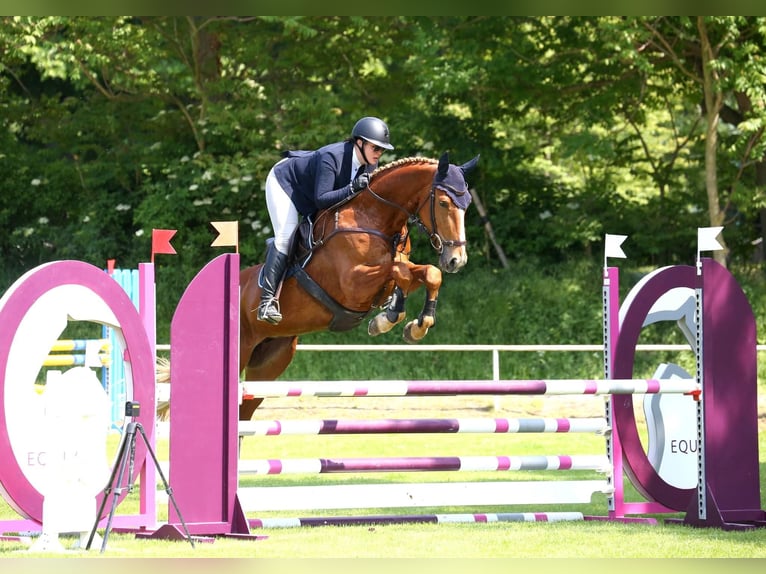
706	239
612	246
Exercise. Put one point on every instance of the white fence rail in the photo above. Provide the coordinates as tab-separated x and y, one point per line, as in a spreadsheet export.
498	348
503	348
494	349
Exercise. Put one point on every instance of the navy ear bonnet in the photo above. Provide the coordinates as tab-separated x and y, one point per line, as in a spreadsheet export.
451	178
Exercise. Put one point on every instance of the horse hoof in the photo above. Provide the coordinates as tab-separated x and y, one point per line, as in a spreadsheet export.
410	334
378	325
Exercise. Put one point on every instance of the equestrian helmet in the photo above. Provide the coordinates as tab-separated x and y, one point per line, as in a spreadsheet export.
373	130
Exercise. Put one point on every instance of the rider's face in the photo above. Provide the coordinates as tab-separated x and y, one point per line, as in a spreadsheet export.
373	151
369	152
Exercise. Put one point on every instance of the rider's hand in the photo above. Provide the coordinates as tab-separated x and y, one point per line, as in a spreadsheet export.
360	182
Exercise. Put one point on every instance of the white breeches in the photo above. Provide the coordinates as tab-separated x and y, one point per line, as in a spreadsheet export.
284	216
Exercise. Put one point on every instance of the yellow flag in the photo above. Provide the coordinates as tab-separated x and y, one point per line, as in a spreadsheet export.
228	234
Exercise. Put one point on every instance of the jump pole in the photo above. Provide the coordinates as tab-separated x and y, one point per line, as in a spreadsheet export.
422	388
413	426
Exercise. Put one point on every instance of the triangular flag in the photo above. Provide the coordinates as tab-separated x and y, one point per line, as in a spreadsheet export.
706	238
612	246
110	266
228	234
161	241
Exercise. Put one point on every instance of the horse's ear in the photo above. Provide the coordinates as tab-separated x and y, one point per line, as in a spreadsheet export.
443	165
469	166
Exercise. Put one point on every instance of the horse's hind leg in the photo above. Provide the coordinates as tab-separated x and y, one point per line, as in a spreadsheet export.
269	360
431	277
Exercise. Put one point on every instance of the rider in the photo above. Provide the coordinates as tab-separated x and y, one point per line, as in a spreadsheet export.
304	182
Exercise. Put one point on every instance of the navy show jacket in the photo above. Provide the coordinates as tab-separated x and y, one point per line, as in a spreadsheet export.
317	179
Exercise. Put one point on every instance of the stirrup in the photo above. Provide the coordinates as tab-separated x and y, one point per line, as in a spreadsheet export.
268	311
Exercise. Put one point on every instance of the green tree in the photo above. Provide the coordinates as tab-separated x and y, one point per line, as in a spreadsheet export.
113	126
716	63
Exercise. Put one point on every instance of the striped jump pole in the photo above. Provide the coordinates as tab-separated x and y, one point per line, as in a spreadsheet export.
401	388
425	464
79	352
381	520
423	426
80	345
71	360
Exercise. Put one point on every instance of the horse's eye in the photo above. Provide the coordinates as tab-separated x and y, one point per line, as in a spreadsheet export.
443	203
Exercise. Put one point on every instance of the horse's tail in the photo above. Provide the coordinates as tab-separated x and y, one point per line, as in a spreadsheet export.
162	376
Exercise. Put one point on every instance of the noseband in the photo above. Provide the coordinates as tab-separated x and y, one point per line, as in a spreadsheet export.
433	235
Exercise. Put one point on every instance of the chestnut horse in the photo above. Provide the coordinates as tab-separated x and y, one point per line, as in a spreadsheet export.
353	258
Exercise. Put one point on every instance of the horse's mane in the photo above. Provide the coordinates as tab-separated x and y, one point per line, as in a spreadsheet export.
402	162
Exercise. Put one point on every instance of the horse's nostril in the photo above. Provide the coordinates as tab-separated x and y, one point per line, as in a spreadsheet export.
451	265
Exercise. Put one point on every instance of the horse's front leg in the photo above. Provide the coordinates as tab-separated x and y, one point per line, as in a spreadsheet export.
394	313
431	277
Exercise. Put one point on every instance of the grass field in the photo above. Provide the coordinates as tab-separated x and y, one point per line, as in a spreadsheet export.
527	304
589	539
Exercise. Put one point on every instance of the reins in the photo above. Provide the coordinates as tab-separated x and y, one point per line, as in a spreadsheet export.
436	240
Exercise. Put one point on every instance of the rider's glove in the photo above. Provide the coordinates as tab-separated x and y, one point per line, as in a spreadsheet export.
360	182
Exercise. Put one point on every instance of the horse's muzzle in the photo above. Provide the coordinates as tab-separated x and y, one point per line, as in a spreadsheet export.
453	260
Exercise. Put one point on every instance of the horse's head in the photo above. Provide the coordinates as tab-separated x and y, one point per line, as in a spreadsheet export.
450	198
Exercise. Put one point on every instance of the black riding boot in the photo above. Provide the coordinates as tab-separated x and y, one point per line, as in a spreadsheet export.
271	277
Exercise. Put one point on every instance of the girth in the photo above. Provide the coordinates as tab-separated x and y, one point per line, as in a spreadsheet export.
343	319
305	244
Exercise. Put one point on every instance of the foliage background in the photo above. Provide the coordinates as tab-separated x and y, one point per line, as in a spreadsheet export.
645	126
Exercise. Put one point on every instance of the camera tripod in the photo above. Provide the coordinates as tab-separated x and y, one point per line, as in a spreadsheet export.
125	456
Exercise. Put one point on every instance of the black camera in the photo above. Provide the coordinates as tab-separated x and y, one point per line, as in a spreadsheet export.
132	409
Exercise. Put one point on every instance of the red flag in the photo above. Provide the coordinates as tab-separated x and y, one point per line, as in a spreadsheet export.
110	266
161	241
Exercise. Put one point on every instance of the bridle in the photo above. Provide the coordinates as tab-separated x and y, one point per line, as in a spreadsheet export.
437	242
